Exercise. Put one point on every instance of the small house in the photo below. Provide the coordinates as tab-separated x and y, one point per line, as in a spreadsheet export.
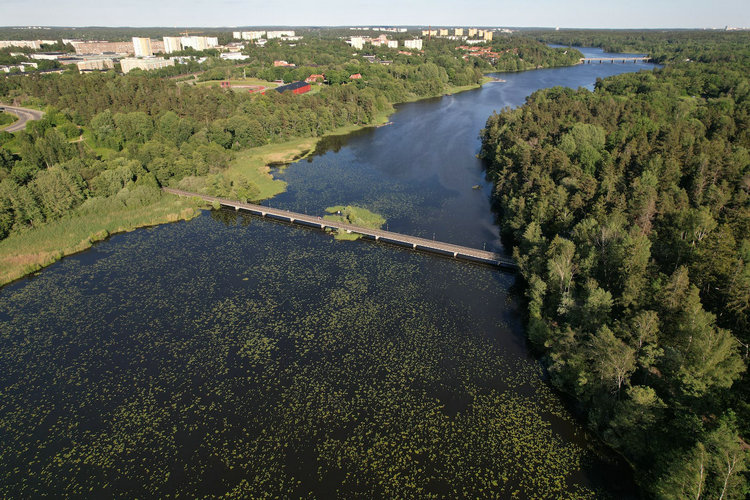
314	78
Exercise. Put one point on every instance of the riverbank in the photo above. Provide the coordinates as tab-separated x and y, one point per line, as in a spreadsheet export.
27	252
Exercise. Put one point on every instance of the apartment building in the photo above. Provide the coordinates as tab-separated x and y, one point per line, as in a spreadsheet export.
148	64
142	47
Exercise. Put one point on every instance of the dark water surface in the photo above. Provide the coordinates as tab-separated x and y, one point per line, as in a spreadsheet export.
235	356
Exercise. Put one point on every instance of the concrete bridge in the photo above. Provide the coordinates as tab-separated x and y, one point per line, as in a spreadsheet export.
423	244
613	60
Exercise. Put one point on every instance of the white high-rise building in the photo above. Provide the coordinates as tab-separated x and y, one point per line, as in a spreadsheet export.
199	42
142	47
357	42
252	35
130	64
172	44
248	35
194	42
413	44
278	34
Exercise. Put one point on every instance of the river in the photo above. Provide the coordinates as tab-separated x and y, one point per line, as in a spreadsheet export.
234	355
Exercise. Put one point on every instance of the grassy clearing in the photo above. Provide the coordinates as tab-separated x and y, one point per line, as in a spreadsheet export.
248	177
315	89
29	251
103	152
240	81
357	216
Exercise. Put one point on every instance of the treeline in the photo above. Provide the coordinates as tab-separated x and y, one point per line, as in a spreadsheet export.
663	46
522	53
629	211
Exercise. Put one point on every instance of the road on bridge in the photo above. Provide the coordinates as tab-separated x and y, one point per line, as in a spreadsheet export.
24	115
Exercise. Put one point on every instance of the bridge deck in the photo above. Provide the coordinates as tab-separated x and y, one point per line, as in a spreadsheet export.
633	59
414	242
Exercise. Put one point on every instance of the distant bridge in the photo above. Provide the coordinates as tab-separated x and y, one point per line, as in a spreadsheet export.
447	249
613	60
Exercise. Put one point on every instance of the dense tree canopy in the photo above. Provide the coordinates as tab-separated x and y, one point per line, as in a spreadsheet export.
629	209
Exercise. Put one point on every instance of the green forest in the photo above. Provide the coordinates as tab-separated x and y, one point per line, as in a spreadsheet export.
629	213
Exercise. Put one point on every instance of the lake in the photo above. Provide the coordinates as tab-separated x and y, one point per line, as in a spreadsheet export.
231	355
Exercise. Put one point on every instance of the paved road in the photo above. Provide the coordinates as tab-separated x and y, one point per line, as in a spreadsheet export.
23	114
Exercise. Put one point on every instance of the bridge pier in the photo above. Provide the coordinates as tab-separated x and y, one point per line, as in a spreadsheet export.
236	208
414	246
263	214
377	237
291	219
455	255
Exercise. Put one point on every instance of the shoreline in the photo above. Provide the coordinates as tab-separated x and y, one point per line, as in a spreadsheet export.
21	265
32	257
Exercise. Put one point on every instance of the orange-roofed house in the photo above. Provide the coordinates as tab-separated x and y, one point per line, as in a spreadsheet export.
314	78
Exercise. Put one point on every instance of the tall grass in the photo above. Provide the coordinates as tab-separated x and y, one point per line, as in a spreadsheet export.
27	252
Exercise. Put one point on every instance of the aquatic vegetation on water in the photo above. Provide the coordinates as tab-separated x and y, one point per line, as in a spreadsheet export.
272	362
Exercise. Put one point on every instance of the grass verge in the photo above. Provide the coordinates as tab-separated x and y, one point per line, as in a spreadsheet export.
7	119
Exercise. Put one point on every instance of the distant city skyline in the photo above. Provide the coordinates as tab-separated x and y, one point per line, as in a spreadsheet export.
512	13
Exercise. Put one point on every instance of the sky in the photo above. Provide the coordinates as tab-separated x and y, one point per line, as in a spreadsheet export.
512	13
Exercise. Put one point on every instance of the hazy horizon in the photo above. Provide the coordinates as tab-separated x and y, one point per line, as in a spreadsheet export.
574	14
